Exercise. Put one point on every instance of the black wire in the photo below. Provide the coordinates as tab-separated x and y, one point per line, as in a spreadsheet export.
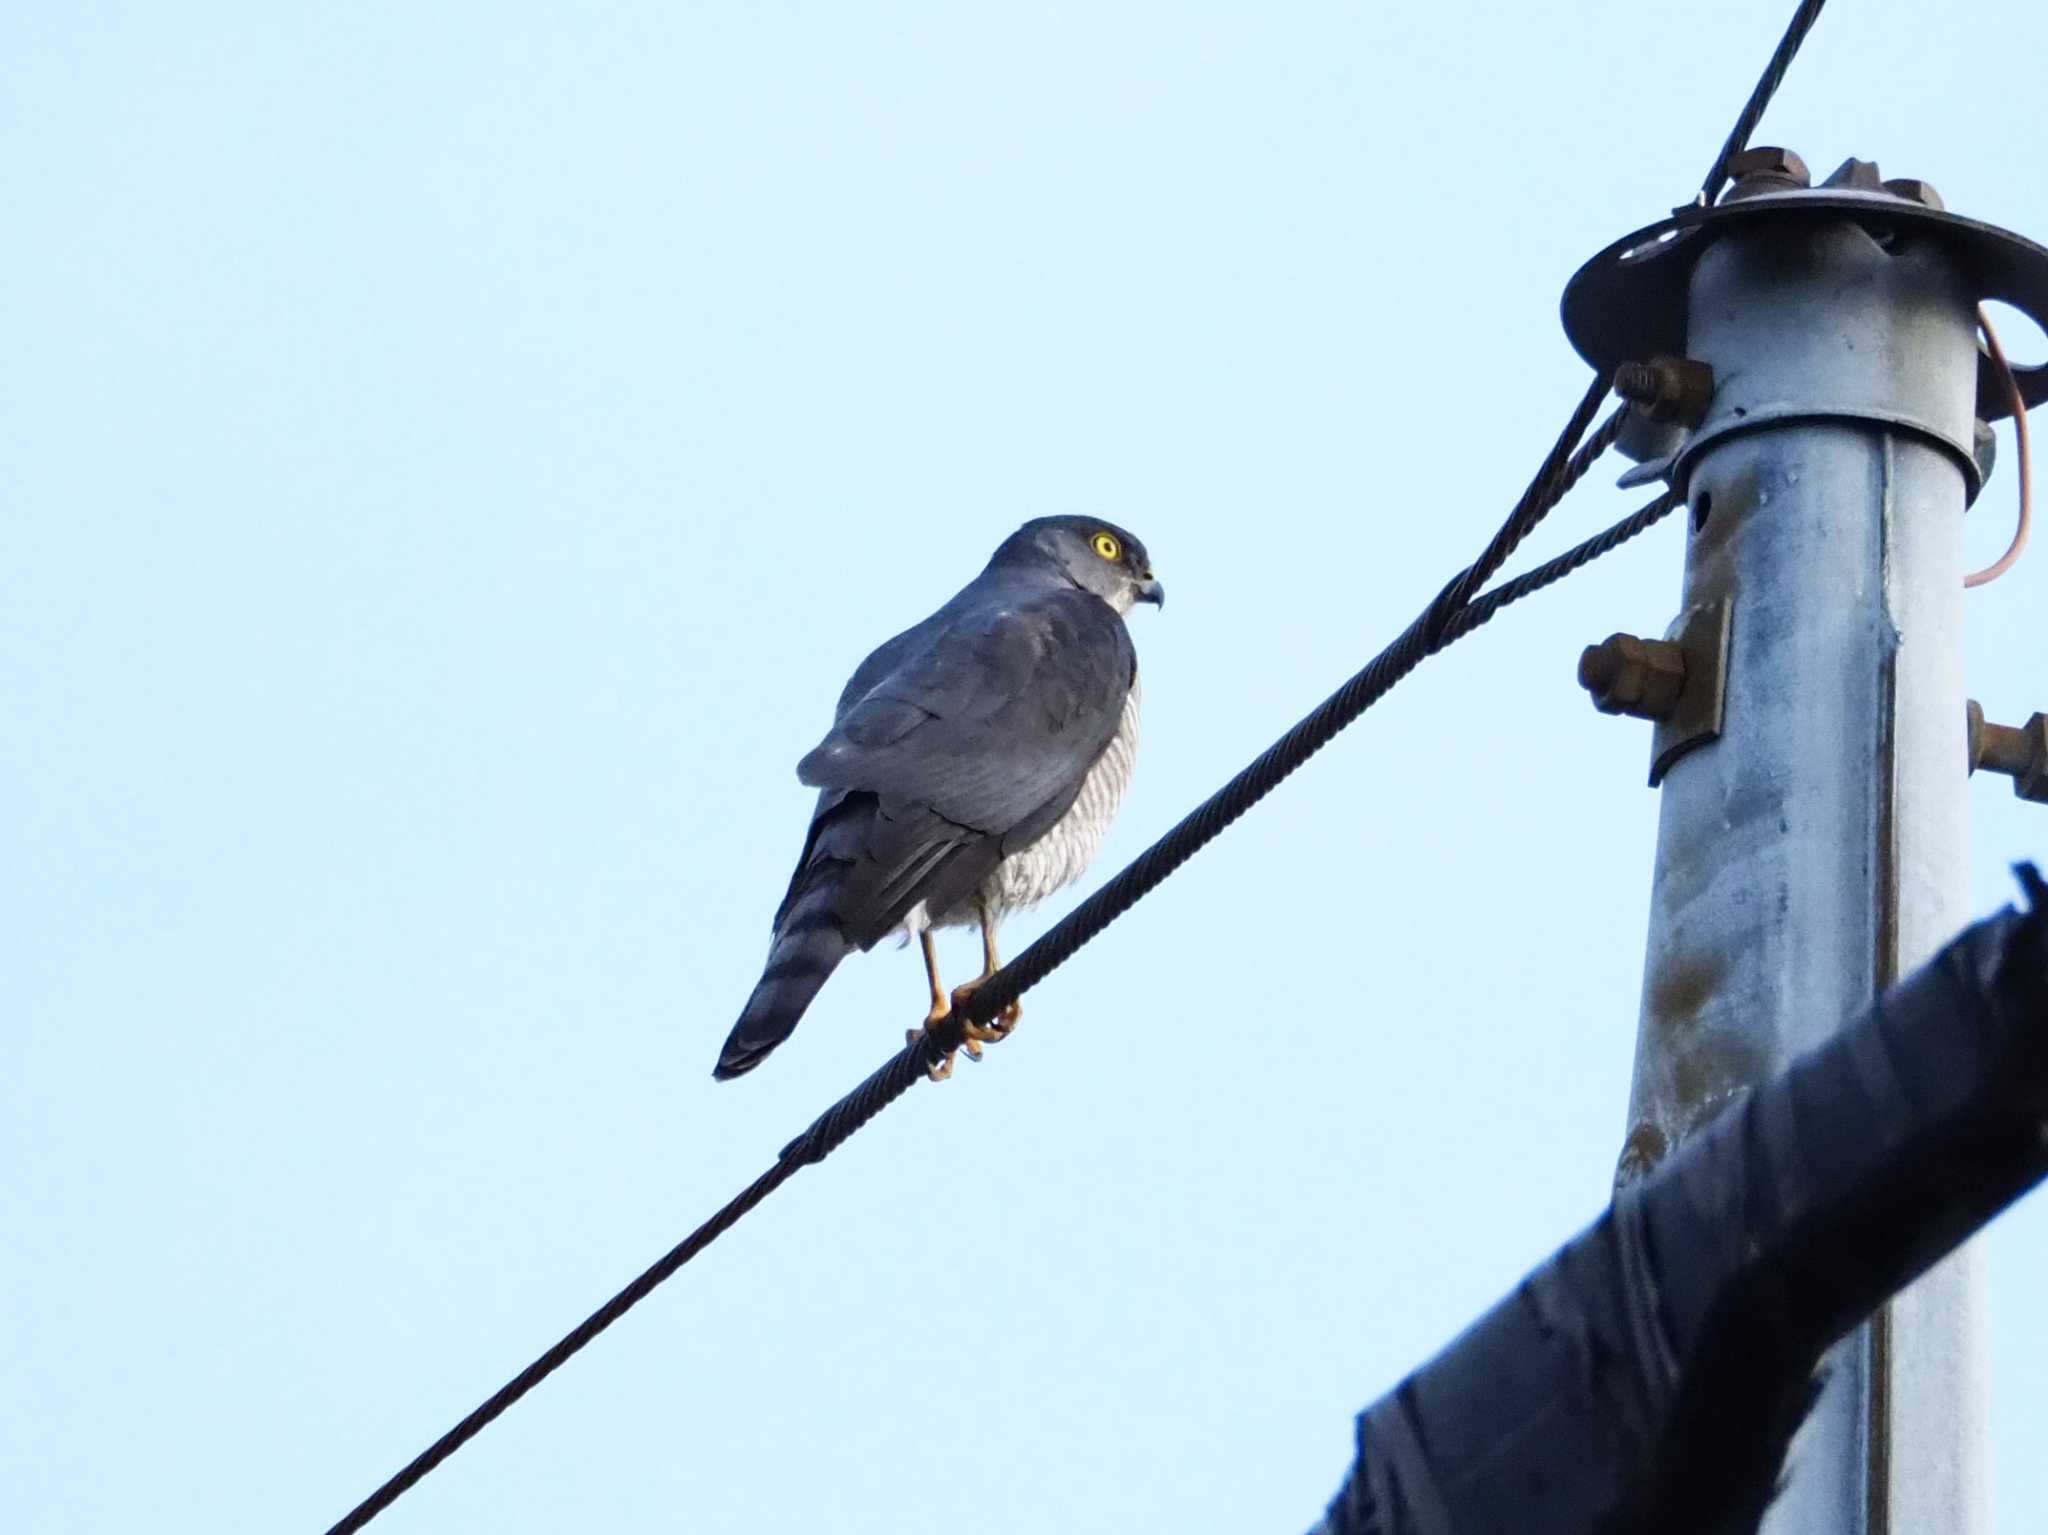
1766	87
1428	634
1454	613
1449	617
1552	571
826	1133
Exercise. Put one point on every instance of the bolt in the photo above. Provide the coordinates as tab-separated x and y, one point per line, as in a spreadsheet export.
1916	192
1630	675
1766	169
2020	752
1667	388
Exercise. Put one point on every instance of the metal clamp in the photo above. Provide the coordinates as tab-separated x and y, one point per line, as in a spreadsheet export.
1680	681
1662	292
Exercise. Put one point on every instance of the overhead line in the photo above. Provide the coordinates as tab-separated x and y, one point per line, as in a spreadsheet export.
1455	612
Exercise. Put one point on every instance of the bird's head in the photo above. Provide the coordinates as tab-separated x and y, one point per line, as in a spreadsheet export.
1096	556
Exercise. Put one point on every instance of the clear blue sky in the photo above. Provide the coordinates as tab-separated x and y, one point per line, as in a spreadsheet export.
451	457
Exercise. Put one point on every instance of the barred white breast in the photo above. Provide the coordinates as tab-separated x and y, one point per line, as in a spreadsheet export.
1063	854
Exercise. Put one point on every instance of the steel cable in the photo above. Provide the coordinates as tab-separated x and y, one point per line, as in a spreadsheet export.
1452	614
1766	87
1449	617
1426	635
826	1133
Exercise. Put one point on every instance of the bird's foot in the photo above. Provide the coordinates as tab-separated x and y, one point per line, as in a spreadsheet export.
931	1030
988	1033
972	1035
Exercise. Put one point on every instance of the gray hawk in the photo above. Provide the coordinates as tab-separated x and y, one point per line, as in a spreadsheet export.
973	765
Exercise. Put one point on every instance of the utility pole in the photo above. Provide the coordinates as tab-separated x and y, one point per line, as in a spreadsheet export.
1816	399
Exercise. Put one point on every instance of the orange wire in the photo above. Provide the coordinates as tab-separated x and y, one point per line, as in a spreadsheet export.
2007	560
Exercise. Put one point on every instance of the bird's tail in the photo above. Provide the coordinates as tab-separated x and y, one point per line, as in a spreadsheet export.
808	947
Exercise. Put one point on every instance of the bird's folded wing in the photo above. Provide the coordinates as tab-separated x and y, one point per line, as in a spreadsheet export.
996	715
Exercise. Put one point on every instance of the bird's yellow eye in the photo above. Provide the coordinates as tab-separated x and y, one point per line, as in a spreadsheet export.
1107	546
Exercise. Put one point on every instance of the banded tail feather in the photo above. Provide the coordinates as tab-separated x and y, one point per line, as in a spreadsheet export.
808	947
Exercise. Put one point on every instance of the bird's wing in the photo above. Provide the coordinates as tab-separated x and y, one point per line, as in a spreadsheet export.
973	741
999	712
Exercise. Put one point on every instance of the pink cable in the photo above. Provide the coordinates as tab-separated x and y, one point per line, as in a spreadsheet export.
2007	560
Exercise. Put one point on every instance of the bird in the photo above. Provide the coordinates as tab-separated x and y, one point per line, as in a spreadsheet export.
974	763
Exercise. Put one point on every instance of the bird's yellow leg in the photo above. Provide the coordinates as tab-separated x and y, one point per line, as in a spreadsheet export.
1006	1020
942	1009
941	1006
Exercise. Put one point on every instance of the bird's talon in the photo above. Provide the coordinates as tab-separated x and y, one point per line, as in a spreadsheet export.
944	1068
997	1028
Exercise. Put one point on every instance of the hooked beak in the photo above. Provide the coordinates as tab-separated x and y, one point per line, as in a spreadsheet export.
1151	591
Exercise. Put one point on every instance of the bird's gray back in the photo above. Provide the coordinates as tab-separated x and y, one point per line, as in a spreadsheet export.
965	739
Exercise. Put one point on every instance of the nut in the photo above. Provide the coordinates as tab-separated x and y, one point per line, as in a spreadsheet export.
1916	192
1767	169
1627	674
1768	160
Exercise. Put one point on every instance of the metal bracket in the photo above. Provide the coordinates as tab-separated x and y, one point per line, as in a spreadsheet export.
1680	681
1630	300
1701	634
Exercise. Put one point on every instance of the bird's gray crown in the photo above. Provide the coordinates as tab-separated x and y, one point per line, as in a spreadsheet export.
1089	552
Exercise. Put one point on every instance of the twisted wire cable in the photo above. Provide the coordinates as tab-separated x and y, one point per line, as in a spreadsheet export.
1766	87
1422	638
1451	615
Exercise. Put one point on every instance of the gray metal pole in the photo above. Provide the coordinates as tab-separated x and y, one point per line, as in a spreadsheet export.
1816	850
